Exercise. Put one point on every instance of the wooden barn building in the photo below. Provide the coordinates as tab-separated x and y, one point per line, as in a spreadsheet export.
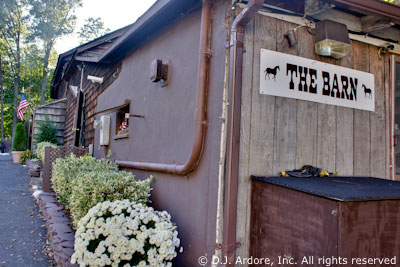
216	98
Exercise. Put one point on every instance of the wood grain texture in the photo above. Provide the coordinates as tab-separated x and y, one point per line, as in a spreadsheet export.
262	106
307	112
279	133
291	223
345	131
256	137
326	131
243	208
378	118
362	128
369	229
326	138
296	224
285	113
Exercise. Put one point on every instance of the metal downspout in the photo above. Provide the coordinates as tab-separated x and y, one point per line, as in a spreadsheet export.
200	117
235	91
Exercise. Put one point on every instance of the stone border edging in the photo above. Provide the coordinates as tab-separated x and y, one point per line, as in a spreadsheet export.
59	232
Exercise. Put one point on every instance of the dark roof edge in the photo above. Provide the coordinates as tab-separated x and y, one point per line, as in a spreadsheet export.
73	52
164	9
58	70
152	11
158	15
374	6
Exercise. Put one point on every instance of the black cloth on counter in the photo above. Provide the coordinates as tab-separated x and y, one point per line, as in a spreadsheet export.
340	188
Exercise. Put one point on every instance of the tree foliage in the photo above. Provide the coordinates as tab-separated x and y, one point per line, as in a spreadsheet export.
47	132
24	53
92	29
13	22
19	141
51	19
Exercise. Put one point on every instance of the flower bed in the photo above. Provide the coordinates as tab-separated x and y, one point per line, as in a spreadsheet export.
125	233
114	227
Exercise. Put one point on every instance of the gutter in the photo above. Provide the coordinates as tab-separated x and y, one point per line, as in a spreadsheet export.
200	116
235	91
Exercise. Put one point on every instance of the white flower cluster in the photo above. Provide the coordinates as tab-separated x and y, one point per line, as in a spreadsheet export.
124	233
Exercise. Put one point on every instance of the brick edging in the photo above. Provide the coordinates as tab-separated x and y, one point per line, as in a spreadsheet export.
59	232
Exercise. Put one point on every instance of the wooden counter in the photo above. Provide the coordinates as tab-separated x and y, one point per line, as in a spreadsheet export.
331	219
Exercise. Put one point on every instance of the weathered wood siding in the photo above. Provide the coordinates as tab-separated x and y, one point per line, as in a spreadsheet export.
71	106
54	112
280	134
92	90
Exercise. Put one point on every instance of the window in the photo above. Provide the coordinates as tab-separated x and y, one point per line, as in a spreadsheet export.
122	122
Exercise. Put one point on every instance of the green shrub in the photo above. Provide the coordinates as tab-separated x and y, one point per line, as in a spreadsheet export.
47	132
27	155
40	149
19	141
95	186
81	183
66	169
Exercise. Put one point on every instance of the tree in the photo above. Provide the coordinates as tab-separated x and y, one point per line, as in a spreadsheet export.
51	19
47	132
1	103
92	29
8	92
19	141
12	26
31	72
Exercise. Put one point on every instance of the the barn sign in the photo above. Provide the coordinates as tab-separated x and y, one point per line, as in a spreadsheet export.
301	78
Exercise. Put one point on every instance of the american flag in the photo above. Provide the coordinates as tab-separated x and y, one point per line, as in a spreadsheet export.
22	104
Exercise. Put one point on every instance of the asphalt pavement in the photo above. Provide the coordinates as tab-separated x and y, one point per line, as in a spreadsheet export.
22	232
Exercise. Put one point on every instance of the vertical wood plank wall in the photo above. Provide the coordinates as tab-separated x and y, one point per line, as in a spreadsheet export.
279	133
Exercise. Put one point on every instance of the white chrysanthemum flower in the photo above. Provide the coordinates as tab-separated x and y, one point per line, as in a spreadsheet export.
128	231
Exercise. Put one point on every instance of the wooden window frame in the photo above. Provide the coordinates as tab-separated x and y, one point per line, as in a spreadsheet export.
119	117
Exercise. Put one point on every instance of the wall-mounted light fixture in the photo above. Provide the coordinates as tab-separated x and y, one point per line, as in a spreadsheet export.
331	39
291	37
159	71
95	79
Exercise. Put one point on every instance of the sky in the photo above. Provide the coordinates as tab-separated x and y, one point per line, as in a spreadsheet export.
114	13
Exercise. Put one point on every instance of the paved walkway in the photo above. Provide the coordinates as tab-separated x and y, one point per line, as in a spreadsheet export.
22	236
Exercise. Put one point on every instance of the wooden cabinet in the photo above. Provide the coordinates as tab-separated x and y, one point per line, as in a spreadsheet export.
326	220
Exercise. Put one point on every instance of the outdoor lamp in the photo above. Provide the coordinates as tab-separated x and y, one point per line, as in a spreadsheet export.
331	39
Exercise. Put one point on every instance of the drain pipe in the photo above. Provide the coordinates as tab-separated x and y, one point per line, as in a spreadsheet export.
235	91
200	117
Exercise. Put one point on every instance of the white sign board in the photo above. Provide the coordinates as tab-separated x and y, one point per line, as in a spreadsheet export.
301	78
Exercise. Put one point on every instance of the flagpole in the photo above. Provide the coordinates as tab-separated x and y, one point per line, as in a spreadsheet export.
29	121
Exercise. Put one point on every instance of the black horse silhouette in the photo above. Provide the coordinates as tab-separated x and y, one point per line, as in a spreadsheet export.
367	90
269	71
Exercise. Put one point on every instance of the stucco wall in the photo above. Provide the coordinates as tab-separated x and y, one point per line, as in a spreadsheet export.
165	135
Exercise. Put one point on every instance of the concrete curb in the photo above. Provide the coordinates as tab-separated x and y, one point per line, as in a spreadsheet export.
59	232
